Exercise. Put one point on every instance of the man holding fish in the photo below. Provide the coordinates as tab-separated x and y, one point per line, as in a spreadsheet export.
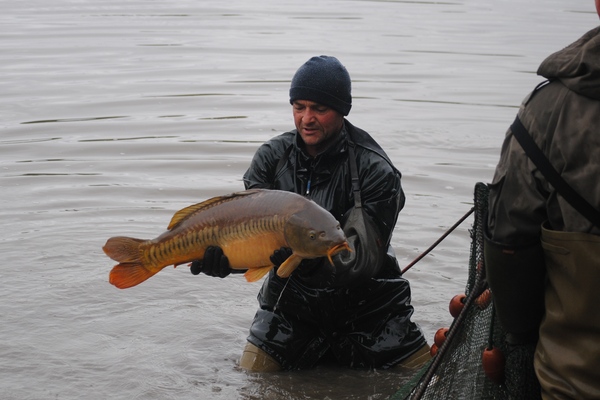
355	309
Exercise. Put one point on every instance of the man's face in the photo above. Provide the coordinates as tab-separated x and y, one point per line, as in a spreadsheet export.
317	124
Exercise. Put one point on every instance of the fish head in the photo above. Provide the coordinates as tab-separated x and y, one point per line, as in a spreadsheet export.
313	232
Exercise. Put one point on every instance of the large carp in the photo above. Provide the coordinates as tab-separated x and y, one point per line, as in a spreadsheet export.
249	226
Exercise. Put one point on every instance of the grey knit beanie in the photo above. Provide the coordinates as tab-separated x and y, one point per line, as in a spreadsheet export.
323	80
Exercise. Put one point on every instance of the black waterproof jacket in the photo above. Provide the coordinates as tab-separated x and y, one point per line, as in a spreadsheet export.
365	323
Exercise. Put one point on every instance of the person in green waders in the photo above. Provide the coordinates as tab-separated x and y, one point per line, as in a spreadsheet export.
542	251
358	310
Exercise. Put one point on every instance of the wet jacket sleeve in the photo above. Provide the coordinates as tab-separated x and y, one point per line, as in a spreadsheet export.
517	205
369	228
366	257
262	170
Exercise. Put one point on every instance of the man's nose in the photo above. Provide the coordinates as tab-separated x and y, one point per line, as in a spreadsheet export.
308	115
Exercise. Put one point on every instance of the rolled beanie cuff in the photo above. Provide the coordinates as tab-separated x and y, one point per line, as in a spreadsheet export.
321	97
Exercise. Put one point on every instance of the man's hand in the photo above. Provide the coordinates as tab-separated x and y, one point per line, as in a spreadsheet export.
214	263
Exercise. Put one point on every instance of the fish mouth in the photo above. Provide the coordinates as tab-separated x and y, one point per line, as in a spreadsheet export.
336	249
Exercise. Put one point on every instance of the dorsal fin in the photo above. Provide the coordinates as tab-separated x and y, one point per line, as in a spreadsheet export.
184	213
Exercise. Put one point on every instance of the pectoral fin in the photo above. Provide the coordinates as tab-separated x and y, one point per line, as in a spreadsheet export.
288	266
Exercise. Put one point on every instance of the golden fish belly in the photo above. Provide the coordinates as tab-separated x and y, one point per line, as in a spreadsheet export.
248	244
252	252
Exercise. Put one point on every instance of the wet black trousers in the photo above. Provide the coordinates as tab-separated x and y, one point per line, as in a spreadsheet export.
363	327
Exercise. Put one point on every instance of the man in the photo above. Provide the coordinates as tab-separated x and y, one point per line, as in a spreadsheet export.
542	254
358	310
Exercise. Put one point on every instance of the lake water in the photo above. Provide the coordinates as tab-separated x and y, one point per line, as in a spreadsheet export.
116	114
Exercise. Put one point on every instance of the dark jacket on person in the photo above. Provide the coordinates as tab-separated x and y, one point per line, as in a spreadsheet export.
528	216
564	120
363	320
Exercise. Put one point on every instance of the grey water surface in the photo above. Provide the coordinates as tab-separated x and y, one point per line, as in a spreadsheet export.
116	114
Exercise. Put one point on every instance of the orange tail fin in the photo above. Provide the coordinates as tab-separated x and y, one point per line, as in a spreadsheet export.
131	271
127	275
123	249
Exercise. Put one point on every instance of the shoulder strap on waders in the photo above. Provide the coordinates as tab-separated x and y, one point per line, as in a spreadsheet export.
366	259
541	161
354	175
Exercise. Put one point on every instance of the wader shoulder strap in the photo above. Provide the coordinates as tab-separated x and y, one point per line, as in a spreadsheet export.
354	174
543	164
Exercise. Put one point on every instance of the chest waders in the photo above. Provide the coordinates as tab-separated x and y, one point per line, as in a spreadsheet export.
255	359
366	325
567	359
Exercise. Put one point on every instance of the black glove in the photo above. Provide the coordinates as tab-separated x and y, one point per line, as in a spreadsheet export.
214	263
279	256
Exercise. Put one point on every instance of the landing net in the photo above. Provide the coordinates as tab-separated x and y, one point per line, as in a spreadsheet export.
456	371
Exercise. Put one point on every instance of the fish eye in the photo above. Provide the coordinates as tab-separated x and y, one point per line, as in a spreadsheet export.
312	235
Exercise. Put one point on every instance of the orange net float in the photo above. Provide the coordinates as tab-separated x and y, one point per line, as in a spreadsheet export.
440	337
493	363
457	304
433	350
484	299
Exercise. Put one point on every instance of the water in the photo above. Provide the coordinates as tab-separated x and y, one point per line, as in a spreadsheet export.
114	115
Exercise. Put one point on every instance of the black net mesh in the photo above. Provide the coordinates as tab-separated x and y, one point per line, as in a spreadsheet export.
456	371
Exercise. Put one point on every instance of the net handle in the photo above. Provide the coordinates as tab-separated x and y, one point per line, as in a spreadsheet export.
453	227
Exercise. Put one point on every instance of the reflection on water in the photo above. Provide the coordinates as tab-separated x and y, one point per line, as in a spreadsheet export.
117	114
